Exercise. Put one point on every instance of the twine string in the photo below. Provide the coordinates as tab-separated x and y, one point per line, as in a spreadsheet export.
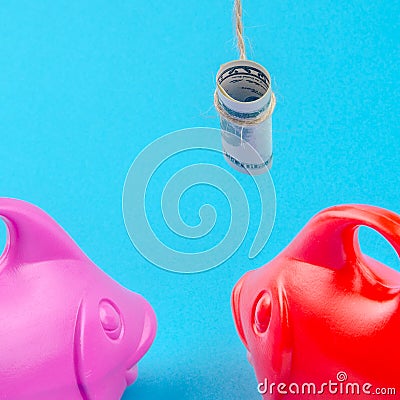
239	29
245	122
238	14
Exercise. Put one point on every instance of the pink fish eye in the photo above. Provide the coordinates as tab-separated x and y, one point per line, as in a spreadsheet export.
110	318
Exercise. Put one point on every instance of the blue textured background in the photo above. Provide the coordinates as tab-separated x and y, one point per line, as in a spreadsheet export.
84	86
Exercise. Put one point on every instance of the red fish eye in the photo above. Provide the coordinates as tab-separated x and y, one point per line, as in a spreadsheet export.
262	313
110	318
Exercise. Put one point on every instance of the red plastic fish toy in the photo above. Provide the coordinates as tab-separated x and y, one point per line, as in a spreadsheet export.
322	320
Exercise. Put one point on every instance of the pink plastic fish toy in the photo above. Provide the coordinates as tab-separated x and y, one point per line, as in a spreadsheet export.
67	330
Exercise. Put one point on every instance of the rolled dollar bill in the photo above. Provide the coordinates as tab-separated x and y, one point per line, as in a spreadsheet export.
245	102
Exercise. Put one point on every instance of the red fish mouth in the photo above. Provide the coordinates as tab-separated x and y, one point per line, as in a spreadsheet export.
250	358
235	302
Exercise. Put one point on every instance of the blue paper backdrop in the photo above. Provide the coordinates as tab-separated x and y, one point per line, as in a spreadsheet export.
84	86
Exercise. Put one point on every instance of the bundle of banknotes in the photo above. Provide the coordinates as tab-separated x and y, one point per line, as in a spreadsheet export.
244	100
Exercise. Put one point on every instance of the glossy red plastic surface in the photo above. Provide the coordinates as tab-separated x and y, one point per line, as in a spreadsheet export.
322	319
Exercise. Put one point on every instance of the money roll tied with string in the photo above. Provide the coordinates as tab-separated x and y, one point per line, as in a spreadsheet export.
245	103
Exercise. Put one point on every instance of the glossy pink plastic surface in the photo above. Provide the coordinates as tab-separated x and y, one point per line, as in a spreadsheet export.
67	330
322	312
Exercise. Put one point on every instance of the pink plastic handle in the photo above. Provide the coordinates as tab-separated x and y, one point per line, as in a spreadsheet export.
33	236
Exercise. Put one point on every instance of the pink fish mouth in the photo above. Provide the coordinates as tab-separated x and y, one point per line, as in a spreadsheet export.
148	335
131	375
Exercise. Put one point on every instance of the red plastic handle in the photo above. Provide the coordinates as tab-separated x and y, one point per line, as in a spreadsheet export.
330	239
